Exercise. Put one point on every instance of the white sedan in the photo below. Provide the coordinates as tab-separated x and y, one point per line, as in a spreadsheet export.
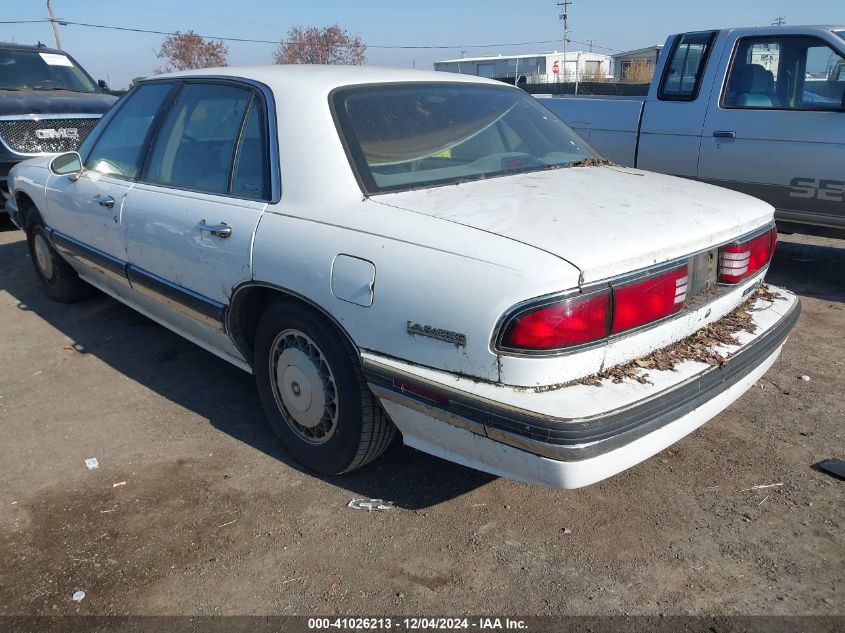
428	252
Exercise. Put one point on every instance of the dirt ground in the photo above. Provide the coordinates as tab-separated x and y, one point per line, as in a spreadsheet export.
213	518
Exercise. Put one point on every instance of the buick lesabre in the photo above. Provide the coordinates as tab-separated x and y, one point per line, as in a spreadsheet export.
399	250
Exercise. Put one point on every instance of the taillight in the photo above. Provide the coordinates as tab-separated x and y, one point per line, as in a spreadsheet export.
562	324
648	299
740	260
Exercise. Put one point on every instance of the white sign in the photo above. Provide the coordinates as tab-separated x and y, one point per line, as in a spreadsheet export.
54	59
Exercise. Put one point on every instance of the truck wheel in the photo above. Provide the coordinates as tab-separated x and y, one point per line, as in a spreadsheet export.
57	276
314	394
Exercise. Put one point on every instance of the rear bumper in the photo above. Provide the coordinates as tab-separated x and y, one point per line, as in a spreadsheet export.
569	452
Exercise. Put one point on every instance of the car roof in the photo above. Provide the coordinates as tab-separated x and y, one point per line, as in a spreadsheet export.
29	47
297	77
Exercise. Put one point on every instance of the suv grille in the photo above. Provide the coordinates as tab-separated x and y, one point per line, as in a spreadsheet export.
28	136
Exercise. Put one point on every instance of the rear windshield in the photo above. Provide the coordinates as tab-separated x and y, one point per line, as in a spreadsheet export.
38	70
409	136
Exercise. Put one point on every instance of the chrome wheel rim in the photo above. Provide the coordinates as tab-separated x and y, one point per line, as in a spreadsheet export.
43	257
303	386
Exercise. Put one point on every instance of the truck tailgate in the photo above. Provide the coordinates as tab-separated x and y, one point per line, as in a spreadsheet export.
609	124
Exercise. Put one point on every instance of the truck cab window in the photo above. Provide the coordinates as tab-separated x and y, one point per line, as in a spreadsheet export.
684	69
785	73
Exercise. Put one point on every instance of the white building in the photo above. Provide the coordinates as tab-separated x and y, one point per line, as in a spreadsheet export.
533	68
621	61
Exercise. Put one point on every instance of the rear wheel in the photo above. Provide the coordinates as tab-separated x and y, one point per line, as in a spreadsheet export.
314	394
57	276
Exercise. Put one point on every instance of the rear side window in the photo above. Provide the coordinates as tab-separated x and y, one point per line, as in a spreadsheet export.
685	66
195	147
120	148
249	177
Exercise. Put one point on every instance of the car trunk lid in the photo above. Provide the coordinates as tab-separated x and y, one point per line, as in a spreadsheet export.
605	220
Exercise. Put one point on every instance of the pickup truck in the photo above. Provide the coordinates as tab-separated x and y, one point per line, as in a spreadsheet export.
48	104
757	110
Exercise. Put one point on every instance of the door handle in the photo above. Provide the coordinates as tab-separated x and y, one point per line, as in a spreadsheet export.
724	134
221	230
104	201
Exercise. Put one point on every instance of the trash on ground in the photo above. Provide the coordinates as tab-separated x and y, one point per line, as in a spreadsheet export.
370	505
762	487
835	467
805	378
117	484
566	530
92	463
78	596
229	523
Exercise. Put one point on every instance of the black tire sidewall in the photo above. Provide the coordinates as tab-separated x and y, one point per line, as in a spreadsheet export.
337	453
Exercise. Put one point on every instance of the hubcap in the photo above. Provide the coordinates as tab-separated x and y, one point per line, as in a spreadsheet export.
303	386
43	258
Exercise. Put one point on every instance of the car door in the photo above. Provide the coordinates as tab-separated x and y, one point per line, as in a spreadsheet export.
191	218
84	210
777	131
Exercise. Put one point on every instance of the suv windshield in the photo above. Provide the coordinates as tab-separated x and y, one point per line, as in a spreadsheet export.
37	70
407	136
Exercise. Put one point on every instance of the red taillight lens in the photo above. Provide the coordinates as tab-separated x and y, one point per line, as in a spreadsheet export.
740	261
563	324
649	299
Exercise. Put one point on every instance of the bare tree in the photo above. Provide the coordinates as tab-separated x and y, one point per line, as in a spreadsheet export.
329	45
639	71
184	51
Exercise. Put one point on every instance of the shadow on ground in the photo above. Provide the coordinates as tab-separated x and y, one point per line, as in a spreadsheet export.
224	395
811	270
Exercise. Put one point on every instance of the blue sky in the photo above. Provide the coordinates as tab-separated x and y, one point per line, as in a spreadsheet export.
616	24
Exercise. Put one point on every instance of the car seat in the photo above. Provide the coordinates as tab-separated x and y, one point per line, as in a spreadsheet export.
756	87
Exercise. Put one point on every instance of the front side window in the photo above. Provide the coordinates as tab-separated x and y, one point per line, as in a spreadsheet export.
785	73
40	70
120	148
685	67
196	144
406	136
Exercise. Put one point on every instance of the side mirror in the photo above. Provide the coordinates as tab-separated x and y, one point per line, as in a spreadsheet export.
103	85
68	164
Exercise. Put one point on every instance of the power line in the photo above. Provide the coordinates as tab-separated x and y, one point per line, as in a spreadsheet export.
255	41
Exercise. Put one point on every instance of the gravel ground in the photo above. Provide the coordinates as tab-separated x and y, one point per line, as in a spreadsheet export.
213	518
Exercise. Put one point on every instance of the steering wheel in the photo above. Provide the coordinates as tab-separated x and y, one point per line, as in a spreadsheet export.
47	83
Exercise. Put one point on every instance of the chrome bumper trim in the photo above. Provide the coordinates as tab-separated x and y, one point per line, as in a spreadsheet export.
576	439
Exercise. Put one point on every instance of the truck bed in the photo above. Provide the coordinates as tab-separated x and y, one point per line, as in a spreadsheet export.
609	124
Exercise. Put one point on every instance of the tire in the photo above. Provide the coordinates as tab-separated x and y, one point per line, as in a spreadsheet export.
57	276
314	393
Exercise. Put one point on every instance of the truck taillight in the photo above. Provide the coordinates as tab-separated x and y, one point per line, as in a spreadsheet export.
561	324
741	260
649	299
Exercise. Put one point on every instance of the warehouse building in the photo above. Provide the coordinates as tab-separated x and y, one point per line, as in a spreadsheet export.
533	68
621	61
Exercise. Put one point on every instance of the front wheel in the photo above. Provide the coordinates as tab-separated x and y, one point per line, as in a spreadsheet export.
57	276
314	393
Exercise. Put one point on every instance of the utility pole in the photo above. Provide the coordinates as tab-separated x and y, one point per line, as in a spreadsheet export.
55	24
780	21
565	17
591	43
